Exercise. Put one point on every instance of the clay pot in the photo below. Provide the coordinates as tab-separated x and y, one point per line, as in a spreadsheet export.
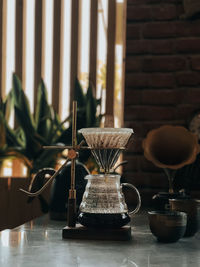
167	226
192	208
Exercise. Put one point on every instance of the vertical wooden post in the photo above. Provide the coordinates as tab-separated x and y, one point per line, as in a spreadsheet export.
38	46
1	41
93	43
56	90
61	52
20	66
110	73
71	212
124	56
19	44
74	47
4	47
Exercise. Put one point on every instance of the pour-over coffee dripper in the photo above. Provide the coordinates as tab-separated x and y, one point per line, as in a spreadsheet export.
103	203
106	145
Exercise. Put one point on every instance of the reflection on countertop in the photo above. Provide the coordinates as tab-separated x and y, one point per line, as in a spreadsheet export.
39	242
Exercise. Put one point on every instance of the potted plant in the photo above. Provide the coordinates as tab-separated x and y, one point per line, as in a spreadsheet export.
40	129
10	139
44	128
33	131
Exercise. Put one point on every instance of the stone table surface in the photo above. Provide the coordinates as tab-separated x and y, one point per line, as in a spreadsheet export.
40	243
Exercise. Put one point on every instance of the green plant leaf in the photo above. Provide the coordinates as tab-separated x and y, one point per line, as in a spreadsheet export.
79	94
15	137
8	106
98	102
47	158
24	121
1	105
34	142
55	127
22	104
43	112
65	137
91	108
2	132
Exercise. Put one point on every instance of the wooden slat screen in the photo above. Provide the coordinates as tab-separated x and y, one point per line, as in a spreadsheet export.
58	40
58	46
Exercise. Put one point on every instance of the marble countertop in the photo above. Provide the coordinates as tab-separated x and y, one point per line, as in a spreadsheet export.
40	243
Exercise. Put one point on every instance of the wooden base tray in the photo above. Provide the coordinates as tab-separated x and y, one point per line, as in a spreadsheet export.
81	232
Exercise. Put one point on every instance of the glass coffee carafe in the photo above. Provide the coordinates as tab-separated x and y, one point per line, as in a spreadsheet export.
103	203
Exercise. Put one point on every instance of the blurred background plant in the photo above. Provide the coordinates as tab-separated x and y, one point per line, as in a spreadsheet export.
10	140
25	141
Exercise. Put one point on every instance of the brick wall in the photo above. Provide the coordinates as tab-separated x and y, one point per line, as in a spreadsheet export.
162	80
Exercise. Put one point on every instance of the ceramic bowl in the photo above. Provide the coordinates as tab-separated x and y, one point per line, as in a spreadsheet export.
167	226
192	208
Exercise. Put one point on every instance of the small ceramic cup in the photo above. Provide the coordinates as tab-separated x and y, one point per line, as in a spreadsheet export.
167	226
192	208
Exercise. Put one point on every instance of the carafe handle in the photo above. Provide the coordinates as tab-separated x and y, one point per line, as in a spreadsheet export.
138	196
